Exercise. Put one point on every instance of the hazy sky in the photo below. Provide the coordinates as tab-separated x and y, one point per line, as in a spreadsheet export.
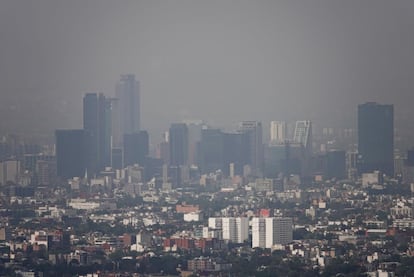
218	60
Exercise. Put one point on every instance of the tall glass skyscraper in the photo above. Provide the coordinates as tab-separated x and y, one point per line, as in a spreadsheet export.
254	129
178	138
127	91
303	134
376	138
97	126
70	153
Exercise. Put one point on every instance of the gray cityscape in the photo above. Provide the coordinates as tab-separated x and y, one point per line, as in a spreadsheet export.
206	138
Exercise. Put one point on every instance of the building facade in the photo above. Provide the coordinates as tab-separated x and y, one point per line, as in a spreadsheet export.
255	135
128	94
97	125
178	143
278	132
70	153
269	231
376	138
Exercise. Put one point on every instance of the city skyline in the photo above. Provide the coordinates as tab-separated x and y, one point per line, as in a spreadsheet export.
206	138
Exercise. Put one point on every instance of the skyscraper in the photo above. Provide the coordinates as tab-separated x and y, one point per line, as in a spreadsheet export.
335	164
236	151
97	125
277	132
178	141
254	129
70	153
376	138
127	91
303	134
136	148
302	137
211	150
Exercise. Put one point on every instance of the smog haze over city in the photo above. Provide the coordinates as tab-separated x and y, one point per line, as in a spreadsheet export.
206	138
220	61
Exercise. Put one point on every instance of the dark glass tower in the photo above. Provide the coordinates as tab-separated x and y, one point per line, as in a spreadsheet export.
136	148
70	153
376	138
335	164
211	150
178	140
97	126
255	132
236	150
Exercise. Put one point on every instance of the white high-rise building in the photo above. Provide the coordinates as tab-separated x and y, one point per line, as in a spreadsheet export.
215	223
259	232
229	228
266	232
277	132
234	229
242	229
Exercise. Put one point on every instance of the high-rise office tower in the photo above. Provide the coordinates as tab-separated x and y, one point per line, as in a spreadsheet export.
194	137
178	142
254	129
70	153
302	137
136	148
116	135
376	138
278	132
335	164
127	91
97	125
236	151
211	150
303	134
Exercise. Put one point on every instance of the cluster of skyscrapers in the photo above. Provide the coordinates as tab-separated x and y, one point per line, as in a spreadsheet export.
111	138
111	128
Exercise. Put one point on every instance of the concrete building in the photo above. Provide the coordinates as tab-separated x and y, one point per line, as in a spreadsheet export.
10	171
234	229
266	232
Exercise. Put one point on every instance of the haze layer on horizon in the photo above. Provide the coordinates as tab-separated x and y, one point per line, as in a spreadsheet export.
220	61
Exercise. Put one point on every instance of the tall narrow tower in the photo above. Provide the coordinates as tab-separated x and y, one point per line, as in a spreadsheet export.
127	91
178	138
70	153
255	133
97	126
376	138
